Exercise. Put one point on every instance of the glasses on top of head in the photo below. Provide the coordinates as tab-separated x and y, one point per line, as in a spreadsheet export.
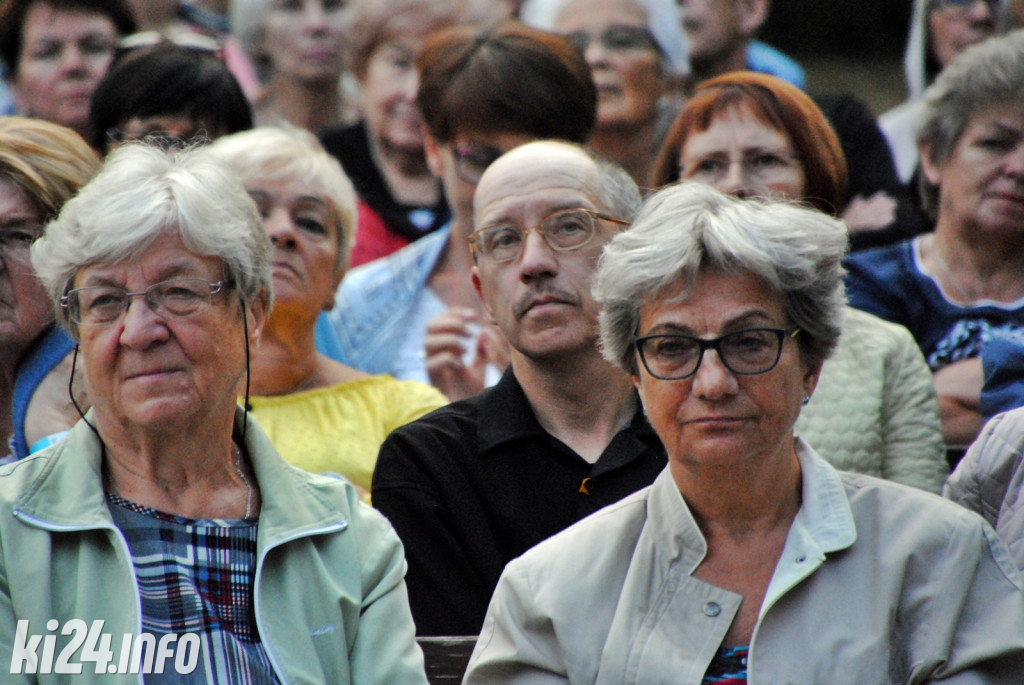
748	352
182	38
106	303
15	240
617	38
564	230
472	161
757	165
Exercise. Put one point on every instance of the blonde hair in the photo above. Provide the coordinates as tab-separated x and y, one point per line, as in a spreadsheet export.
293	155
49	162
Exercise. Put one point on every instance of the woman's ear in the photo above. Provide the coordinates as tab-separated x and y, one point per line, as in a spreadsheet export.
259	309
932	171
432	151
811	374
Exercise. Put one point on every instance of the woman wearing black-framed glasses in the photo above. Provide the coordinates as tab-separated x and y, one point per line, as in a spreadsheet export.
729	567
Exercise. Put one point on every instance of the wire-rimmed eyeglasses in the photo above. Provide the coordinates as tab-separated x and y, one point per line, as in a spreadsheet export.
672	356
564	230
104	304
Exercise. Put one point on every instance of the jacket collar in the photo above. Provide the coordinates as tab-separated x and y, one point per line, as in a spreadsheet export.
823	524
67	492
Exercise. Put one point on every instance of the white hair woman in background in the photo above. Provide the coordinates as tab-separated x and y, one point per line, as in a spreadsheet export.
637	51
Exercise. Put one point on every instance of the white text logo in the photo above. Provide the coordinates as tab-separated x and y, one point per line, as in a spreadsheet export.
141	653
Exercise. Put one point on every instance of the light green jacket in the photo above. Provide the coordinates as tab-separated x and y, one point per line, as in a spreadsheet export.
330	597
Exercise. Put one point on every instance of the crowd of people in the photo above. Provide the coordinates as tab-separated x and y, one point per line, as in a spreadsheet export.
578	329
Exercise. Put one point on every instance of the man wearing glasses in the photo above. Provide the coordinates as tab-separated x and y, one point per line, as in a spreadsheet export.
475	484
481	93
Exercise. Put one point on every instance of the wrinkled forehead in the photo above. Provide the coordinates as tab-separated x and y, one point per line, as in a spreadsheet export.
597	14
532	174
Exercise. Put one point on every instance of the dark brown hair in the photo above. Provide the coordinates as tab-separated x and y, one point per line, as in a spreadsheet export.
510	78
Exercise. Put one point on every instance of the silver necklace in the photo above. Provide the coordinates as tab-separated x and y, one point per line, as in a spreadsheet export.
241	474
951	278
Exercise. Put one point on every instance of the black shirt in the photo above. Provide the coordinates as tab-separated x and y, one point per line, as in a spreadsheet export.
475	484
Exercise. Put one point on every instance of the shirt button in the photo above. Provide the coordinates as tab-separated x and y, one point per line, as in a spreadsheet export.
801	559
712	609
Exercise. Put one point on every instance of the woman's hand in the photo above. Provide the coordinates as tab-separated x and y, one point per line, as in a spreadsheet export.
870	213
457	349
958	387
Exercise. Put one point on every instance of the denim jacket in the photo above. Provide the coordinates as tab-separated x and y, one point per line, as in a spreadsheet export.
381	310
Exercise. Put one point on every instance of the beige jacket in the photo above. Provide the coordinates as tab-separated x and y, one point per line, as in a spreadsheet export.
878	584
874	410
990	479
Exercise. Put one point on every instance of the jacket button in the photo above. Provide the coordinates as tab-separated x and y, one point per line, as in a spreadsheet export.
712	609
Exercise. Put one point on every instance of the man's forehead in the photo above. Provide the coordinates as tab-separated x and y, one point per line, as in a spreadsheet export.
528	175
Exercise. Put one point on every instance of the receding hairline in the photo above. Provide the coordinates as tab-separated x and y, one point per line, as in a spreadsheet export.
556	155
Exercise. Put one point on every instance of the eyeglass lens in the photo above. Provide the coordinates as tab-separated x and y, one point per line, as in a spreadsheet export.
471	162
747	352
103	304
616	38
759	165
563	231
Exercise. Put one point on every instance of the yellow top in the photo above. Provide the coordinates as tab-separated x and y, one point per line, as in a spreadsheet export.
339	429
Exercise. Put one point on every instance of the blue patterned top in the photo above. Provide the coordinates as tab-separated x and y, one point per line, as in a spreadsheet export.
196	576
729	667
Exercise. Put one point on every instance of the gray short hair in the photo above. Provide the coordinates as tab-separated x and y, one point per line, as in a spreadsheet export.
619	194
689	226
988	74
293	155
143	192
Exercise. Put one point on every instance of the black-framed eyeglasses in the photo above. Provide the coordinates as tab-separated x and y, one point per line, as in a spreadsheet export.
471	161
672	356
617	38
564	230
104	304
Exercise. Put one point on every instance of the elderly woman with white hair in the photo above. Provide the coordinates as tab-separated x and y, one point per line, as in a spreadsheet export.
321	415
166	516
637	54
749	557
